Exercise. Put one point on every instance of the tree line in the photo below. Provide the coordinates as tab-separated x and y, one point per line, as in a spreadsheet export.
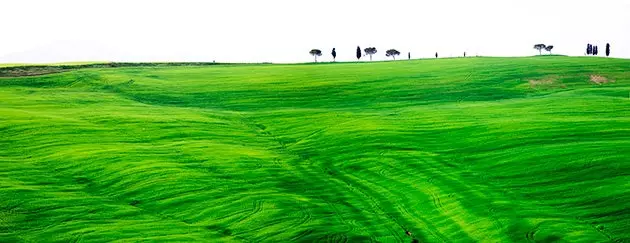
369	51
593	50
541	47
590	49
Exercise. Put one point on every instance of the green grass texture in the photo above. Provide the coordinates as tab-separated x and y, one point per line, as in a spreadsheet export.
451	150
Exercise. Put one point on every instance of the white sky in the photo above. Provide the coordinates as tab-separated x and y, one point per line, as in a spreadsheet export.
286	30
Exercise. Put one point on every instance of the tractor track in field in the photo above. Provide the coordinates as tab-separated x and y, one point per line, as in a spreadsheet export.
439	179
342	238
434	195
306	217
375	203
232	214
482	176
350	223
301	235
322	130
262	225
71	179
320	174
306	171
430	227
514	197
383	172
257	207
436	201
530	235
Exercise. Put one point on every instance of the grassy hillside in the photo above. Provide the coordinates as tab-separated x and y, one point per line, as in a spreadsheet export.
452	150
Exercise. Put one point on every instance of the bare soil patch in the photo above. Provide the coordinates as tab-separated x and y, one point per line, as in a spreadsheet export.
549	82
599	80
29	71
32	70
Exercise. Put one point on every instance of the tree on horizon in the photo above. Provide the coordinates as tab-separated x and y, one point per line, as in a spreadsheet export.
358	53
607	49
392	53
549	48
370	51
540	47
316	53
334	54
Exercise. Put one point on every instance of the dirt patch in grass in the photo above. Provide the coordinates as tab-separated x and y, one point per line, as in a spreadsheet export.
29	71
32	70
599	80
549	82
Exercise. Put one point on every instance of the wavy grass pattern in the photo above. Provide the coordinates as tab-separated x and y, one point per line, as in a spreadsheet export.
451	150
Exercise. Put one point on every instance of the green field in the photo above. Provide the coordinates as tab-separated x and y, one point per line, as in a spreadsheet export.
452	150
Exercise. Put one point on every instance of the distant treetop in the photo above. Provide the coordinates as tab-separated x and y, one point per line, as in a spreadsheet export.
540	47
549	48
316	53
392	53
370	51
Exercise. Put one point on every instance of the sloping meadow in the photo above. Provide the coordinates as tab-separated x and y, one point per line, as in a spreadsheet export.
448	150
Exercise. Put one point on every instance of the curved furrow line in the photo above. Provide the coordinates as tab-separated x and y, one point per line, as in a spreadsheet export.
263	225
225	216
226	203
322	130
407	201
257	207
484	180
75	187
376	203
431	172
341	238
353	185
372	201
306	217
240	215
511	195
383	172
300	170
477	194
301	235
314	179
309	172
350	223
530	234
432	229
436	201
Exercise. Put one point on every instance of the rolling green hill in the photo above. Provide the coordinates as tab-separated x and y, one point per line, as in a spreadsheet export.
452	150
